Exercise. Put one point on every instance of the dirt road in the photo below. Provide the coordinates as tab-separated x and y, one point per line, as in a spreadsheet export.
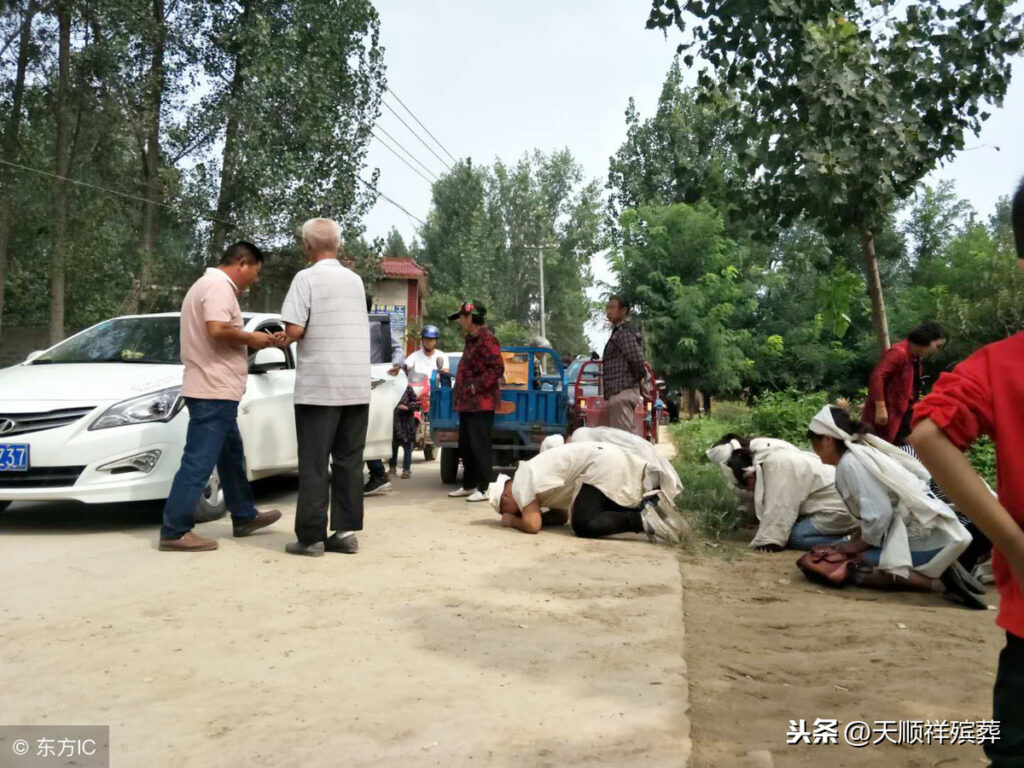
765	646
447	641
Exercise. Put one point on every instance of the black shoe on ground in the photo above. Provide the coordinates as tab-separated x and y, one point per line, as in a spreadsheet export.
957	589
347	545
309	550
377	486
969	581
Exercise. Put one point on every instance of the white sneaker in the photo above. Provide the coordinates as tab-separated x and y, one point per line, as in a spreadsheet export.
461	492
662	521
477	496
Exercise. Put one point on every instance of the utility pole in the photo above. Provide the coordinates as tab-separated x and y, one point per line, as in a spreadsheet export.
543	322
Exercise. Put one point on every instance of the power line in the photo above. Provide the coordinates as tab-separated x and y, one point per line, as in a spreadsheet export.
421	125
418	137
400	207
115	192
410	154
175	207
392	151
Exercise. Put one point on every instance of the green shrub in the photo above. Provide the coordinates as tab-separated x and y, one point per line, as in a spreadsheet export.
708	499
785	415
983	458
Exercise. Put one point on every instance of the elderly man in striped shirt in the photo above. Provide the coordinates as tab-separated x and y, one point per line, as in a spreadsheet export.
325	311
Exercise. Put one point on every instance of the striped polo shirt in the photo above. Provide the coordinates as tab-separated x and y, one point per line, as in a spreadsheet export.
329	301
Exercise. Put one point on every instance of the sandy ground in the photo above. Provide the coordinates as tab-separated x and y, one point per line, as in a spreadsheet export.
447	641
765	646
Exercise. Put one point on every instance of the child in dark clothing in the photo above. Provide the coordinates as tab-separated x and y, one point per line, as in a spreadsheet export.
984	395
405	431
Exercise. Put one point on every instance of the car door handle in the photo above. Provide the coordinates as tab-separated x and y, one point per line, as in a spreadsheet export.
376	382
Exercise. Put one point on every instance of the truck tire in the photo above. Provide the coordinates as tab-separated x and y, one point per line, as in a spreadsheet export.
449	466
212	505
428	452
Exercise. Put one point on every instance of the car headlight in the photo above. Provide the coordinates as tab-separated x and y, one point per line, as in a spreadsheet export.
156	406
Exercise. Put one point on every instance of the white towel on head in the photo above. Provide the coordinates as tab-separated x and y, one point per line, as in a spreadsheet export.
494	491
917	506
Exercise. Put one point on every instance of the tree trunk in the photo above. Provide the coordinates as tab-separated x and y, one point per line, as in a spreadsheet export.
59	260
151	163
226	196
878	316
10	145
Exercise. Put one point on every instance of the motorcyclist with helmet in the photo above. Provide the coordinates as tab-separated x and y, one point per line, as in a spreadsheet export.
425	359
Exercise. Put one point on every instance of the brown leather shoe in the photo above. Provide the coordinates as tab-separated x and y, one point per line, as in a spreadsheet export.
262	520
190	542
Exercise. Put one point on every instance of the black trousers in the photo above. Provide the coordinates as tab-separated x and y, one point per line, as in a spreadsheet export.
475	449
330	434
595	515
1008	708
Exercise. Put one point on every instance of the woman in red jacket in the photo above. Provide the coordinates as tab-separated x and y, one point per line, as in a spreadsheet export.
895	383
477	394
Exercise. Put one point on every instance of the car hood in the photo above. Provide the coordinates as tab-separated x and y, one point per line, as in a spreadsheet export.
38	387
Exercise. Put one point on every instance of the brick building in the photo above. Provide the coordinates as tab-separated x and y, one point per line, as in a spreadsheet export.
402	293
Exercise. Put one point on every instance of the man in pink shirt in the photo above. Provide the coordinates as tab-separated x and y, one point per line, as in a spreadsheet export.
213	350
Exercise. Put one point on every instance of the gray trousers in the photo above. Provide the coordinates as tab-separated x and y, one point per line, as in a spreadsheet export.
334	434
622	409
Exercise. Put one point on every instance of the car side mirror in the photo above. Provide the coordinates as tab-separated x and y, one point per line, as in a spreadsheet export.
269	359
33	355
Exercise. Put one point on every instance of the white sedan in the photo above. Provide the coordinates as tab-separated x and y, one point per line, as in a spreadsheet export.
99	418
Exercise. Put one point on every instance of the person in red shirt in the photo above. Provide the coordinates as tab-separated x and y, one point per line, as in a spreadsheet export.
895	383
477	394
984	395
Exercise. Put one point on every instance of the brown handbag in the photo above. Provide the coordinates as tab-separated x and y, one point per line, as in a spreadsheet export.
828	566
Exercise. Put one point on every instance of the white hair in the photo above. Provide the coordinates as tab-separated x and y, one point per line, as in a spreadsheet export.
322	235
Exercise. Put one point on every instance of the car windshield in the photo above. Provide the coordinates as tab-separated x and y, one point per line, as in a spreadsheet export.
123	340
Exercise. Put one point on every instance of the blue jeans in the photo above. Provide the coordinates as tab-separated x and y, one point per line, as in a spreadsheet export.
804	535
407	459
918	557
213	440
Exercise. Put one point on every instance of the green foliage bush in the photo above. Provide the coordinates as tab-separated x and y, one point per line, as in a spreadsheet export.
708	499
785	415
983	458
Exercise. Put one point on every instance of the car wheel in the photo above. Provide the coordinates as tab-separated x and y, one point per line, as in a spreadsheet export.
212	505
449	466
4	505
428	452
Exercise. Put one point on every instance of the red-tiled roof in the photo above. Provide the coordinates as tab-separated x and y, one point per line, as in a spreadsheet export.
402	268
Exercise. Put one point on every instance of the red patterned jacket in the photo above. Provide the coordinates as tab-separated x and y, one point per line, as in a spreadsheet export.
480	370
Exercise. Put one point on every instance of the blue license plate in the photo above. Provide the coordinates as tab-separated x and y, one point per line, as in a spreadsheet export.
14	458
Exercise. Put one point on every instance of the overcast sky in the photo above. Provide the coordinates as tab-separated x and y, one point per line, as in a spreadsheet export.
496	79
